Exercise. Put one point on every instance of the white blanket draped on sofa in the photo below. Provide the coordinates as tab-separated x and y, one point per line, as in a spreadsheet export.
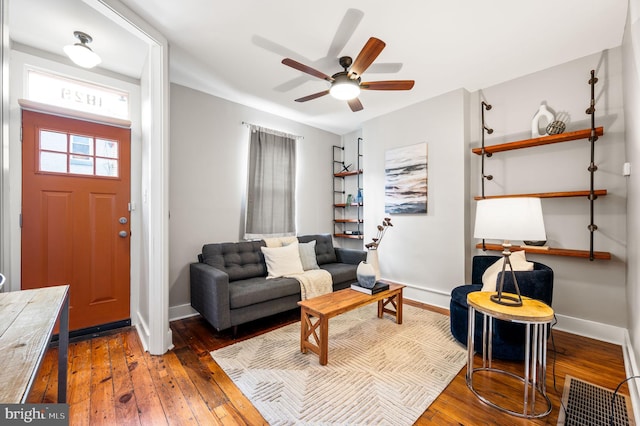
314	282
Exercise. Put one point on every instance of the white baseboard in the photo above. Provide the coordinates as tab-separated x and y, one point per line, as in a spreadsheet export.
181	311
631	369
142	328
143	331
431	297
581	327
592	329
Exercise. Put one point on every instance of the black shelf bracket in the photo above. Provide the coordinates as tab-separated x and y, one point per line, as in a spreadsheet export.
485	130
593	137
360	189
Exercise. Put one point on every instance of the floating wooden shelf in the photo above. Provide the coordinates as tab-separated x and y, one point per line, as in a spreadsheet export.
353	173
551	251
347	205
354	237
347	223
544	140
598	192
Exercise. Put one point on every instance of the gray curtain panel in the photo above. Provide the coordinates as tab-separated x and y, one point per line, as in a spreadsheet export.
271	208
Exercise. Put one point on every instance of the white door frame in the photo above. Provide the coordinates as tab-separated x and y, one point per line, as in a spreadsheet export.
151	316
153	313
5	240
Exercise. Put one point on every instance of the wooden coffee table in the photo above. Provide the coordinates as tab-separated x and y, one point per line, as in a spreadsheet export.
315	314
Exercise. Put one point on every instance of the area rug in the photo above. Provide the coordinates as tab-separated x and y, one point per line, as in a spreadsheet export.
379	372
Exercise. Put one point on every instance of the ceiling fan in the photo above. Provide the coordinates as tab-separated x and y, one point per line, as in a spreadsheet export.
346	84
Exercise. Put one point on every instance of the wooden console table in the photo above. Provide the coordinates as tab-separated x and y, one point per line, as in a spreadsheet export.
27	320
330	305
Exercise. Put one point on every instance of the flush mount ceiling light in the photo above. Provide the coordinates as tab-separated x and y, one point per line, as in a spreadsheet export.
80	53
343	87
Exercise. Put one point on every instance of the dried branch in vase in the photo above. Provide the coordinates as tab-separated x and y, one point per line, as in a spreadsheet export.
382	229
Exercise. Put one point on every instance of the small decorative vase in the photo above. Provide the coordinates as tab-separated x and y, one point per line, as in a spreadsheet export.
366	275
372	259
543	112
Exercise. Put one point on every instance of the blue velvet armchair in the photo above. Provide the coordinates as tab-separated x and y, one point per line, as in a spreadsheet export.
508	338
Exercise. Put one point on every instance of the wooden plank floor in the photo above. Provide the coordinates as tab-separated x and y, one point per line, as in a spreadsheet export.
112	381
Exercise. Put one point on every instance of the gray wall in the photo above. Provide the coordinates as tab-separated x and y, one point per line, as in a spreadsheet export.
583	290
424	251
430	253
209	149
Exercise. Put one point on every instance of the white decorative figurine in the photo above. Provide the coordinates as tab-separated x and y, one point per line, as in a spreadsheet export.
543	112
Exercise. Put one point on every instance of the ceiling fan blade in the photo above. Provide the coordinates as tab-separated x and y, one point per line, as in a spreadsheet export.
355	104
388	85
367	55
306	69
345	30
314	96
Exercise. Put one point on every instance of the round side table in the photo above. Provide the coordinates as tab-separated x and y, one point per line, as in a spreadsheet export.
535	315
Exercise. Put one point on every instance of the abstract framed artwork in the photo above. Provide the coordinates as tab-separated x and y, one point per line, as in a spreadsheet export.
406	179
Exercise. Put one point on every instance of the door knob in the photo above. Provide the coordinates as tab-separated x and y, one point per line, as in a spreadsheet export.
122	234
123	220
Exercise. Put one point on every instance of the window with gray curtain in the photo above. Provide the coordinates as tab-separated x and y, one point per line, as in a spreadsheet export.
271	185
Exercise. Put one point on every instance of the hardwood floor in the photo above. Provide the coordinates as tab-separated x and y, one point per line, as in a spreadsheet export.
112	381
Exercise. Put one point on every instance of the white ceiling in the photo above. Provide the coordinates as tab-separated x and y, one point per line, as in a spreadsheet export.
48	25
233	49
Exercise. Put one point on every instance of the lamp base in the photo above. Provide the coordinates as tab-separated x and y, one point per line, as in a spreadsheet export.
499	297
503	299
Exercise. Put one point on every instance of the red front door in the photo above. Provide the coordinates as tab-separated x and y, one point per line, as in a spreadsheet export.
75	216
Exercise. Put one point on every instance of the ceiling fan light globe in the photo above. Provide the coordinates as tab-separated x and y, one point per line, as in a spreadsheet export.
82	55
345	90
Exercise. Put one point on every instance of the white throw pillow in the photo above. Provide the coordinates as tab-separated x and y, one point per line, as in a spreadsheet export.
308	255
280	241
518	262
282	261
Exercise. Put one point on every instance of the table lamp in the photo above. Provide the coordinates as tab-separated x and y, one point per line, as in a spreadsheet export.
508	219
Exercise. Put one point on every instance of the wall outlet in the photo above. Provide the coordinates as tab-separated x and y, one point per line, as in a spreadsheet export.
626	169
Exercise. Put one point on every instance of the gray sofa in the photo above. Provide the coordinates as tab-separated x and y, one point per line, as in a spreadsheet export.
229	285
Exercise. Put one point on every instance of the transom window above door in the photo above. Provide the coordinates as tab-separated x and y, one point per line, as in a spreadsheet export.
52	89
68	153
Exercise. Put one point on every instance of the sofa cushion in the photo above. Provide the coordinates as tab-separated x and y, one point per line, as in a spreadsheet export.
341	272
256	290
325	253
238	260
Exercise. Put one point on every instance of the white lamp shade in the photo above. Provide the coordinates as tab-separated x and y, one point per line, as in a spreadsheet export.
510	219
82	55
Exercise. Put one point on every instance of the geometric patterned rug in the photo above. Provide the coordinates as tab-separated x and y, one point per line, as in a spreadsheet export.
378	372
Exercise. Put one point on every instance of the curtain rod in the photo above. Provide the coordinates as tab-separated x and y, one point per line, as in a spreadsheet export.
255	127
